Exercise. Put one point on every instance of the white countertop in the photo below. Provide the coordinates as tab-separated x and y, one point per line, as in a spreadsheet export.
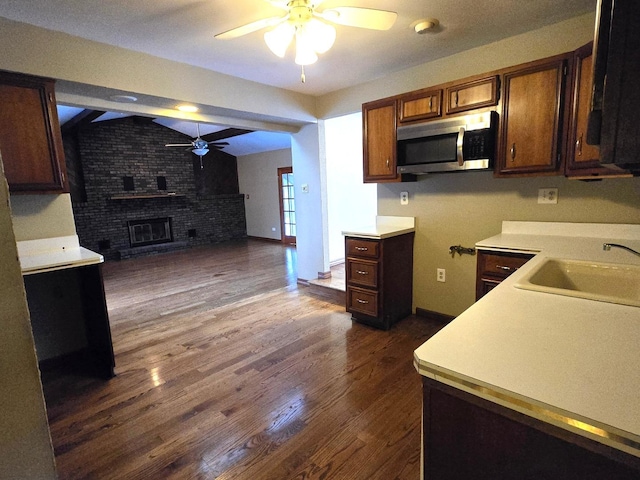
567	361
48	254
383	227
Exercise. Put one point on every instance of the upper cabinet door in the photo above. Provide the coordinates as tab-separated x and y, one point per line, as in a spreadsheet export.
379	141
30	138
532	117
472	95
583	160
420	105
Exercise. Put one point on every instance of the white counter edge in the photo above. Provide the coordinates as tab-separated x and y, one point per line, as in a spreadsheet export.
58	253
384	227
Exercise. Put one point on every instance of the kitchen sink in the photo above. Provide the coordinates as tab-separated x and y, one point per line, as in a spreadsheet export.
604	282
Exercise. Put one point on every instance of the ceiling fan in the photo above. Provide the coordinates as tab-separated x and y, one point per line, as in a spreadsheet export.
304	22
199	146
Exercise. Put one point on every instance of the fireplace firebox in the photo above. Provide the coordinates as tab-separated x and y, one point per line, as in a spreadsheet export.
150	231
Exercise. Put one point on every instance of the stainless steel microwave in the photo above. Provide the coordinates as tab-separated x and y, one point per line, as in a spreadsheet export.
461	143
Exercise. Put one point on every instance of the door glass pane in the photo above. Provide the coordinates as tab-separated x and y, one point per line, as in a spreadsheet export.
288	205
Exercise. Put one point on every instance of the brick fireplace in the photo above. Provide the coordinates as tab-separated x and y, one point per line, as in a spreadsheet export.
125	181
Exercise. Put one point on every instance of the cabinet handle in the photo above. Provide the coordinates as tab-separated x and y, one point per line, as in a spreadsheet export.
456	98
513	152
388	164
362	272
365	302
502	267
430	104
579	145
362	249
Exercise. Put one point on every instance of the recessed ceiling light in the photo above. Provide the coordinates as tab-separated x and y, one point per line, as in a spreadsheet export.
187	108
124	98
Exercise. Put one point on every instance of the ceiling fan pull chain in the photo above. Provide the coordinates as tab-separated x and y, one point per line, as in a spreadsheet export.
302	76
201	165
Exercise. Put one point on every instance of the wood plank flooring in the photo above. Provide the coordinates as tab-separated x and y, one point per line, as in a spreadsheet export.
227	369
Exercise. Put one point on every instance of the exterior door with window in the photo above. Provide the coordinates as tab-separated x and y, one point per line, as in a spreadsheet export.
287	205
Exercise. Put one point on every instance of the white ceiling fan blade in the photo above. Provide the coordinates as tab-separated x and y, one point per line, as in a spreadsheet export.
360	17
249	28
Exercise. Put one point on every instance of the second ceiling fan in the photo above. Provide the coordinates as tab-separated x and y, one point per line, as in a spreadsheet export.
199	146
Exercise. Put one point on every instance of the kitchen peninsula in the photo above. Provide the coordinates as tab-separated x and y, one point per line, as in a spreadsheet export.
526	384
66	299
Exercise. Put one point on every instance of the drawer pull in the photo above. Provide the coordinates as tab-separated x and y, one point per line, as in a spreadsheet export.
362	249
365	302
362	272
501	267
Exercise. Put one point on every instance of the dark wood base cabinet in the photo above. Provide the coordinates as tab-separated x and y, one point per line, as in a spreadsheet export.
466	437
379	276
70	321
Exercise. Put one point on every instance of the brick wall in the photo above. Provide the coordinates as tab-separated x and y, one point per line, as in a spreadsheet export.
134	147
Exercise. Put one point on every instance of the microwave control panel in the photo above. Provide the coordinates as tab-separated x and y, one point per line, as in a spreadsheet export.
478	144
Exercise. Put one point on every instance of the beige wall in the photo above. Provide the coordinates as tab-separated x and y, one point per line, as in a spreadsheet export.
42	216
25	445
465	207
258	179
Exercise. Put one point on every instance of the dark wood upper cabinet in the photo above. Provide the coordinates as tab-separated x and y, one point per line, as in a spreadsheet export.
30	138
379	141
532	120
420	105
471	95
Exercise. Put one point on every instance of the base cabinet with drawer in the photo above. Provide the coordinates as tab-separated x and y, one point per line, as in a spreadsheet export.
493	267
379	276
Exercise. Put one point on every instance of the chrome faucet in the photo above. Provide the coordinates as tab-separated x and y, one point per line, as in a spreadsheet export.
607	247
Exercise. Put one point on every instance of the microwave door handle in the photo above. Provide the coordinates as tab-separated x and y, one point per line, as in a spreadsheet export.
459	143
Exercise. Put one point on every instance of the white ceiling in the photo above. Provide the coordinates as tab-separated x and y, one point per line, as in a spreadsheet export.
183	31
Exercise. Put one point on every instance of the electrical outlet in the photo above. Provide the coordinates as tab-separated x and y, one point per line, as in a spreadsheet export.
548	195
441	275
404	198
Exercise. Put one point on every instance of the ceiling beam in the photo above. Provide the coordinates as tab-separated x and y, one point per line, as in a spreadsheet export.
226	133
84	117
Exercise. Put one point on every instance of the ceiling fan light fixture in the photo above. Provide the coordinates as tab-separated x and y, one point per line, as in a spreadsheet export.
305	53
200	151
279	39
321	35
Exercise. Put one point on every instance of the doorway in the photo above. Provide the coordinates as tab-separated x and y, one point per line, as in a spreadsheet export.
287	205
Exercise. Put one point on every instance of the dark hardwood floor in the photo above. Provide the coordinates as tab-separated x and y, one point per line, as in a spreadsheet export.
226	368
